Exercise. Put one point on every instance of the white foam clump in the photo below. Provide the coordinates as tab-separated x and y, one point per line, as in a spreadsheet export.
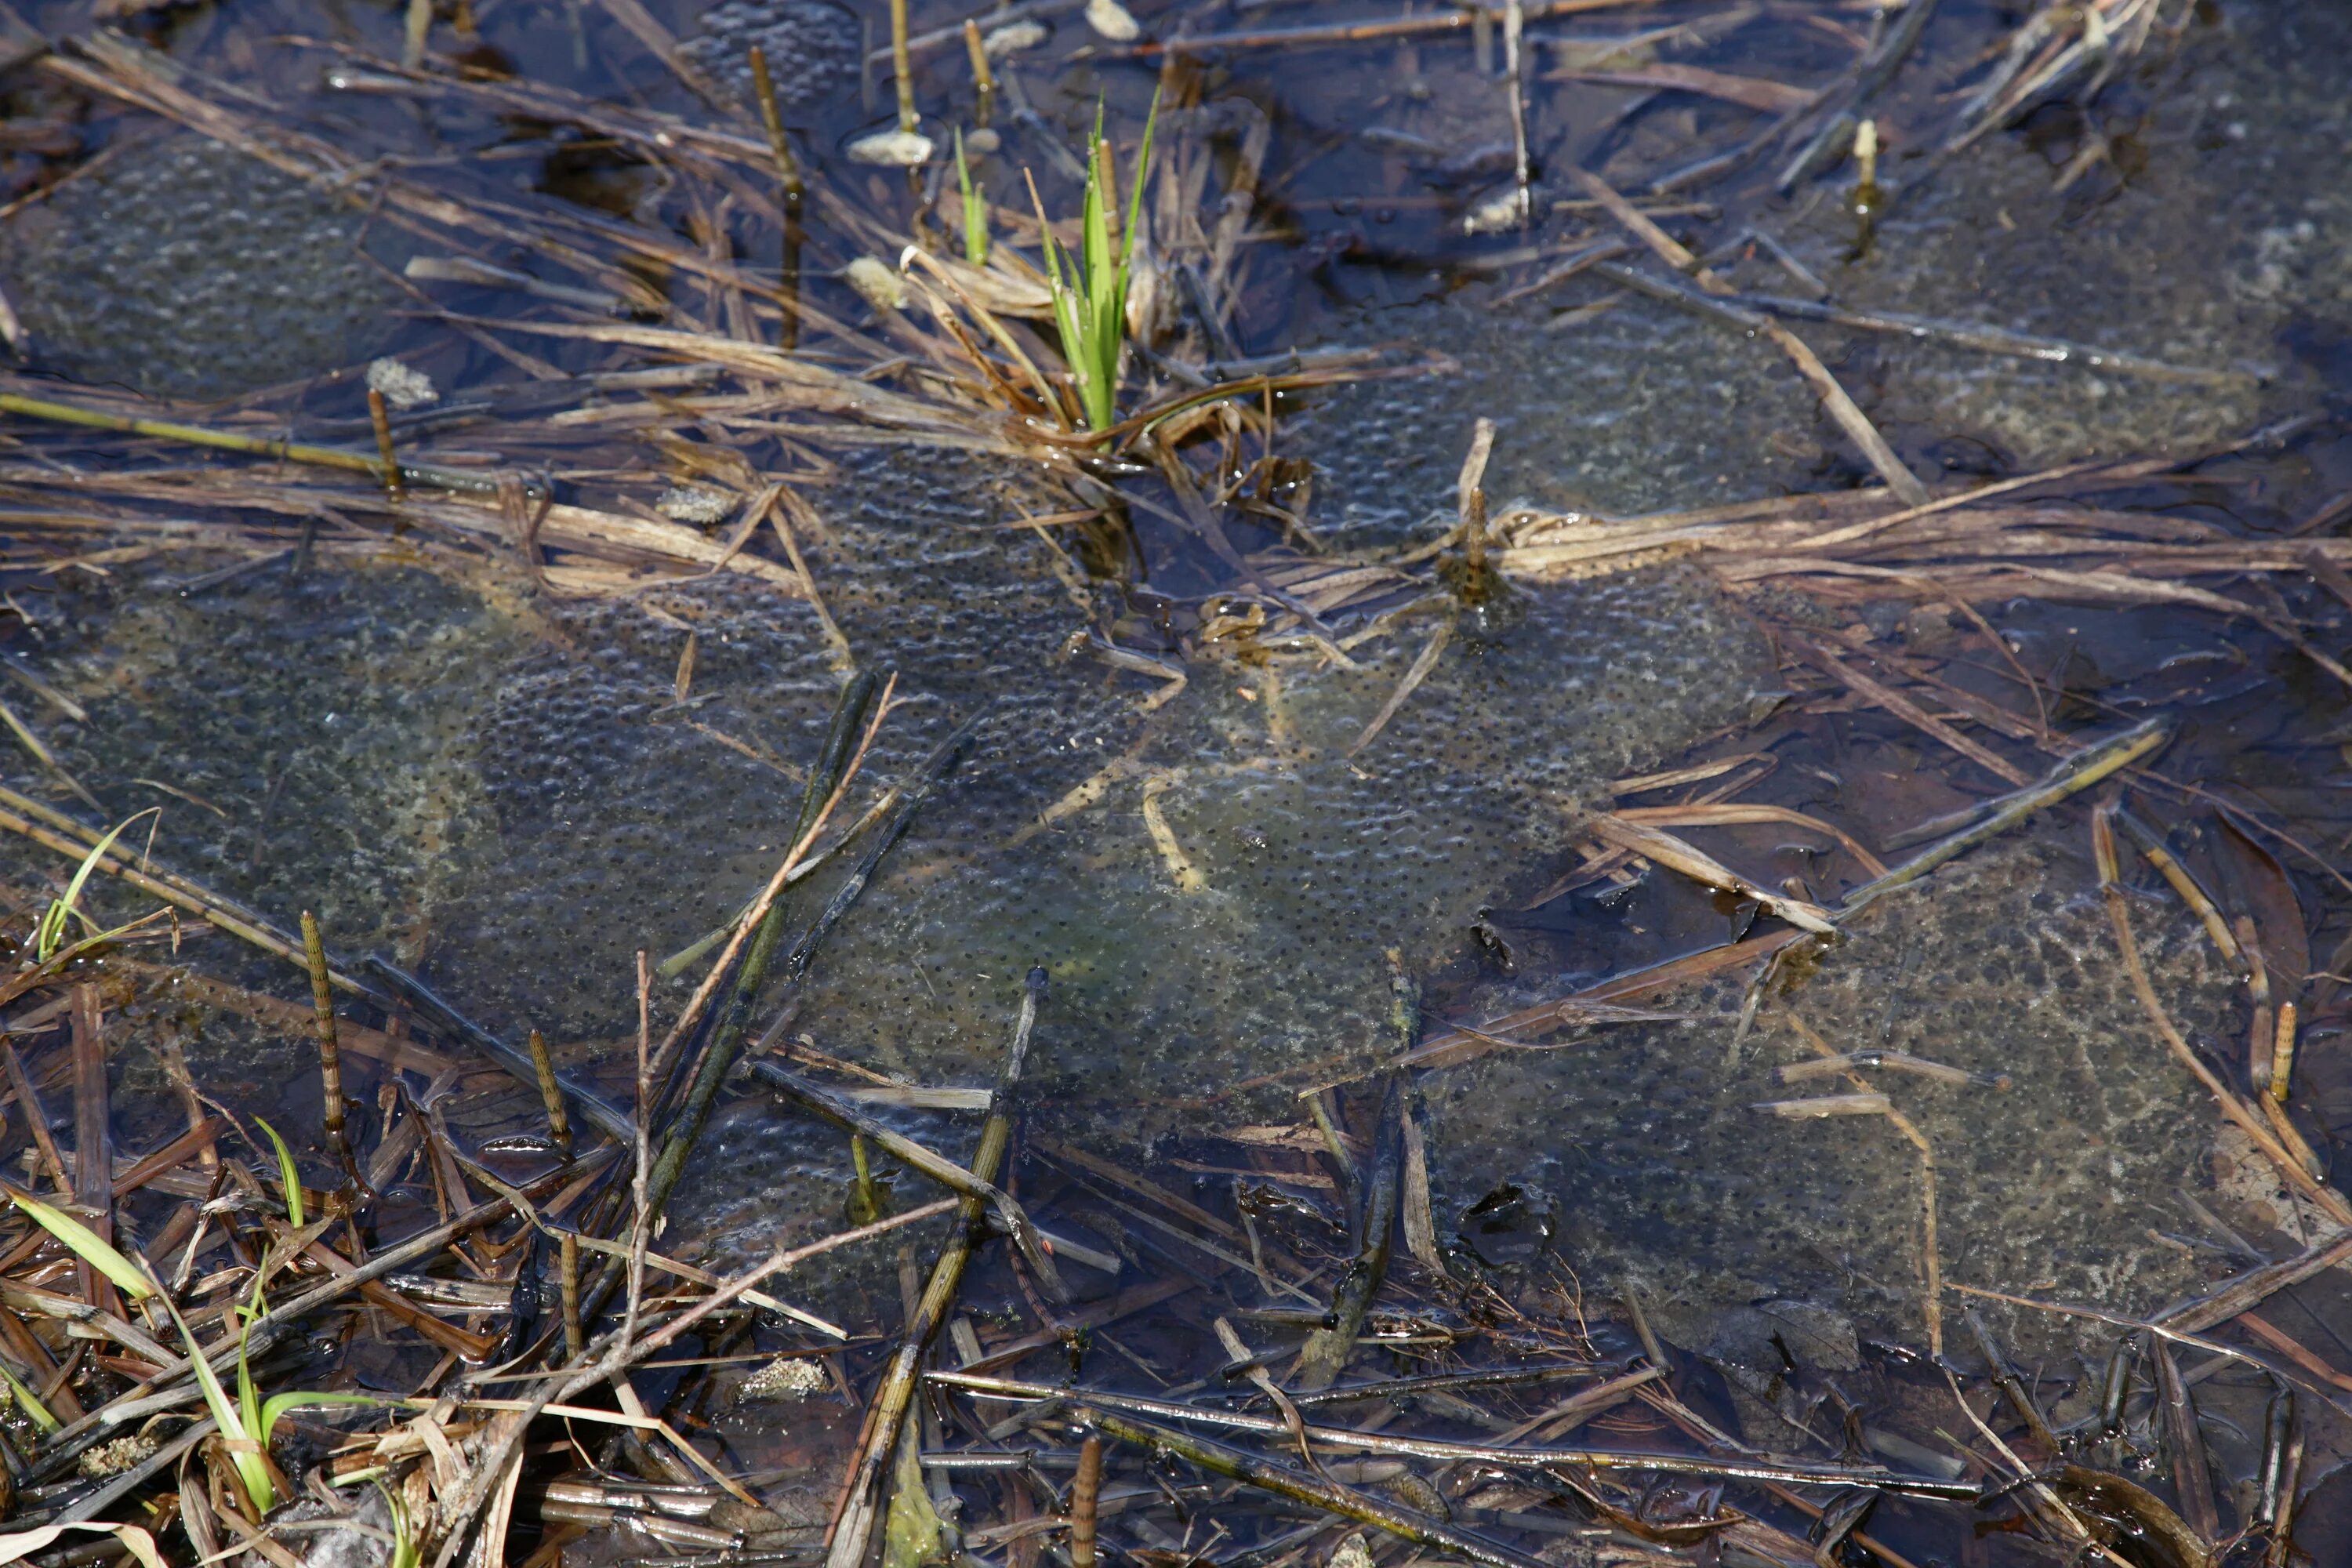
1113	21
402	385
877	283
1013	37
893	149
695	504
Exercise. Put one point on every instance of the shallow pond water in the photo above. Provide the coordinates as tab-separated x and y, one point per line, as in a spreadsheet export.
510	780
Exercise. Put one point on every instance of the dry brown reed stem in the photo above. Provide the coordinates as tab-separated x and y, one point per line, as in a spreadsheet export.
788	168
780	503
1470	496
902	65
37	1120
1084	1490
380	417
983	78
749	924
2327	1199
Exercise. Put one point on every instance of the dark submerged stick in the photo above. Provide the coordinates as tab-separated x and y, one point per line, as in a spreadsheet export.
853	1528
1328	1349
937	1167
1285	1482
1799	1473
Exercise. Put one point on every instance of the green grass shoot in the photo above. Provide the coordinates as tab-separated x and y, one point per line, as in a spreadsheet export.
51	932
85	1244
1089	290
246	1423
975	209
290	1178
28	1401
406	1552
246	1453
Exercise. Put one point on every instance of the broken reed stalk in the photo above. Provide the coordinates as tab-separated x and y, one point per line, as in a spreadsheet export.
331	1056
727	1041
1327	1350
902	65
983	78
1084	1490
2075	773
550	1092
1419	1529
379	415
609	1119
832	771
788	168
849	716
251	446
852	1524
787	174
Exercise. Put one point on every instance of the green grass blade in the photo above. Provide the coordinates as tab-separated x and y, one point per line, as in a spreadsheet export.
406	1552
85	1244
975	209
287	1174
252	1466
52	929
1135	195
28	1401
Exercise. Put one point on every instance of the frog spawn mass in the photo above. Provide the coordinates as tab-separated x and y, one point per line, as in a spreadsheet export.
580	812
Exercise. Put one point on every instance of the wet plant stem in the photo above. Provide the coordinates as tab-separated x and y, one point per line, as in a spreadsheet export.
550	1093
861	1504
379	415
1332	1497
902	65
863	1127
251	446
984	78
331	1056
1327	1349
850	715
